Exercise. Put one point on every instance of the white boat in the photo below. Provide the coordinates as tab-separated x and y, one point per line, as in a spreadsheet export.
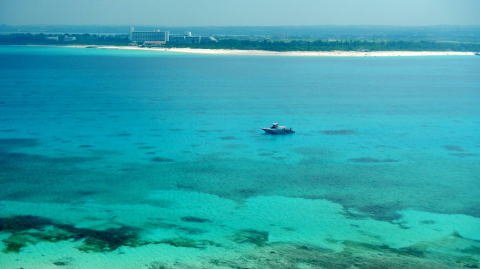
278	130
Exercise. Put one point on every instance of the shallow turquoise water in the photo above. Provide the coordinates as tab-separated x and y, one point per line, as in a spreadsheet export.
386	154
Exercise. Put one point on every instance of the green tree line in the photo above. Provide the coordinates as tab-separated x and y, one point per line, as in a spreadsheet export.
344	45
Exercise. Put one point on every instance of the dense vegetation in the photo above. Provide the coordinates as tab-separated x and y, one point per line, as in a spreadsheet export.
345	45
81	39
247	44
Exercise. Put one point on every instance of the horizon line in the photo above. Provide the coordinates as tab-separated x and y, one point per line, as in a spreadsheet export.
286	25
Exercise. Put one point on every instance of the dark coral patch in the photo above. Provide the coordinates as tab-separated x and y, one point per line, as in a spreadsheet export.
60	263
228	138
250	236
85	146
195	219
312	152
453	148
8	144
105	240
7	130
31	230
86	192
184	186
15	243
471	250
126	169
21	236
187	242
338	132
161	160
21	223
146	147
245	192
372	160
353	215
180	242
463	154
20	160
382	212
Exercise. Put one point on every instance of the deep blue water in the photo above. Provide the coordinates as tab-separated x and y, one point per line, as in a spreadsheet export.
383	141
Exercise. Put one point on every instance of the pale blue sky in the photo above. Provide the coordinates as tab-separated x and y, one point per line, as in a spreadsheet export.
241	12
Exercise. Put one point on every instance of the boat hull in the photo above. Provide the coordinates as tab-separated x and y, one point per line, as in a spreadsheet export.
282	131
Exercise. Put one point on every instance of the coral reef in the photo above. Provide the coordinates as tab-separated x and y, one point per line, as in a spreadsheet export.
8	144
249	236
195	219
187	242
338	132
453	148
298	256
161	159
27	230
228	138
372	160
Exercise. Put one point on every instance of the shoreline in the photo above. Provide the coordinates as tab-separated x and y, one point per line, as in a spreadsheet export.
277	53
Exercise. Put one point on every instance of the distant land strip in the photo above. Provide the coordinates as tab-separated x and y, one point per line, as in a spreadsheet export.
254	45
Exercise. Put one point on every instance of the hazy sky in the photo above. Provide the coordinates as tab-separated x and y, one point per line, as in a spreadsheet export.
241	12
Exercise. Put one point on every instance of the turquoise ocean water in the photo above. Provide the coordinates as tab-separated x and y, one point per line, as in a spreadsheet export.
137	159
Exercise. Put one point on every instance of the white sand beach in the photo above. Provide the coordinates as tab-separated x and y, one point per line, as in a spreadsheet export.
291	53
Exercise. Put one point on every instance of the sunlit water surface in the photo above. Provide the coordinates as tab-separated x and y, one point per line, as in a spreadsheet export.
136	159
